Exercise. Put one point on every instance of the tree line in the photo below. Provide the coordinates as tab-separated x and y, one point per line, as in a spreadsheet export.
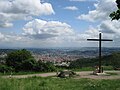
22	60
108	60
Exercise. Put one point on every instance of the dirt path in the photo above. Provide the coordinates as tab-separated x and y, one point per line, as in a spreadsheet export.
83	74
88	74
30	75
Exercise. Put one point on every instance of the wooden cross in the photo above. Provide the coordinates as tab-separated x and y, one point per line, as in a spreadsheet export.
100	40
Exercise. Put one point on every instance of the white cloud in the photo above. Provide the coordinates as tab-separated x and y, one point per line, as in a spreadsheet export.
110	29
108	26
71	8
1	36
41	29
102	10
52	35
41	33
6	24
22	9
56	34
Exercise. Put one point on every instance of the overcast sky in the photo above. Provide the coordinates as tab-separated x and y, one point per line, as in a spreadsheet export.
57	23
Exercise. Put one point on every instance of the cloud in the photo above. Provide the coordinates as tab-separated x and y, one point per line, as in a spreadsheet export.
14	41
101	13
51	34
109	29
71	8
12	38
40	29
102	10
41	33
23	9
6	24
1	36
55	33
112	27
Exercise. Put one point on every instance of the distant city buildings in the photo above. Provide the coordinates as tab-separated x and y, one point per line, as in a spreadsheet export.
62	56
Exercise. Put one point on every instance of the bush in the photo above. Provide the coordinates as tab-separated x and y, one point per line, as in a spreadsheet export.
4	68
29	65
45	66
115	60
84	62
20	60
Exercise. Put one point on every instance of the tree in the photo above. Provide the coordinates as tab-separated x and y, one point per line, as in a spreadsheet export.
16	58
116	14
29	64
115	60
5	68
115	56
45	66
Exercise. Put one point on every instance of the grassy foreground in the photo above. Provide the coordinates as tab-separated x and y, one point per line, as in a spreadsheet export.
38	83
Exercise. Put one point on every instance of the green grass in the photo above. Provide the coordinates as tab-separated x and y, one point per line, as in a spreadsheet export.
92	69
86	69
77	69
49	83
108	68
111	73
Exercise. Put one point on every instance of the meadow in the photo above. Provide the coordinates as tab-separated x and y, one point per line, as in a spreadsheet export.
50	83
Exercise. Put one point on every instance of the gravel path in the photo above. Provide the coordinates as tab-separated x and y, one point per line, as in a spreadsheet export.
82	74
30	75
88	74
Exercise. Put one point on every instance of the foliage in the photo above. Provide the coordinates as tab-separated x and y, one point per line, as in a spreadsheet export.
109	60
38	83
2	60
84	62
115	60
22	60
45	67
111	73
116	14
29	64
5	68
17	58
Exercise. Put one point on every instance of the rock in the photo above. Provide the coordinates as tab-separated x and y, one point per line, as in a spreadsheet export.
66	73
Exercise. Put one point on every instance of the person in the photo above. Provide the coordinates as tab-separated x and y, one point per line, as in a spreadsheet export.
96	70
10	75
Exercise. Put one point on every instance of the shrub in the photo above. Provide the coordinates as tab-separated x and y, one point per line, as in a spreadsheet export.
19	59
45	66
5	68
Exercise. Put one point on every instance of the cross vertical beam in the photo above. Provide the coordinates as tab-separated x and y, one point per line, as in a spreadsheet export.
100	53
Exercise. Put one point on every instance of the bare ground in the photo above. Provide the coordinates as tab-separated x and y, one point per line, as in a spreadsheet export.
82	74
89	74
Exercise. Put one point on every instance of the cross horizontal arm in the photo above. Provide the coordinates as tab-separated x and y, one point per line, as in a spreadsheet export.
106	40
99	40
93	39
